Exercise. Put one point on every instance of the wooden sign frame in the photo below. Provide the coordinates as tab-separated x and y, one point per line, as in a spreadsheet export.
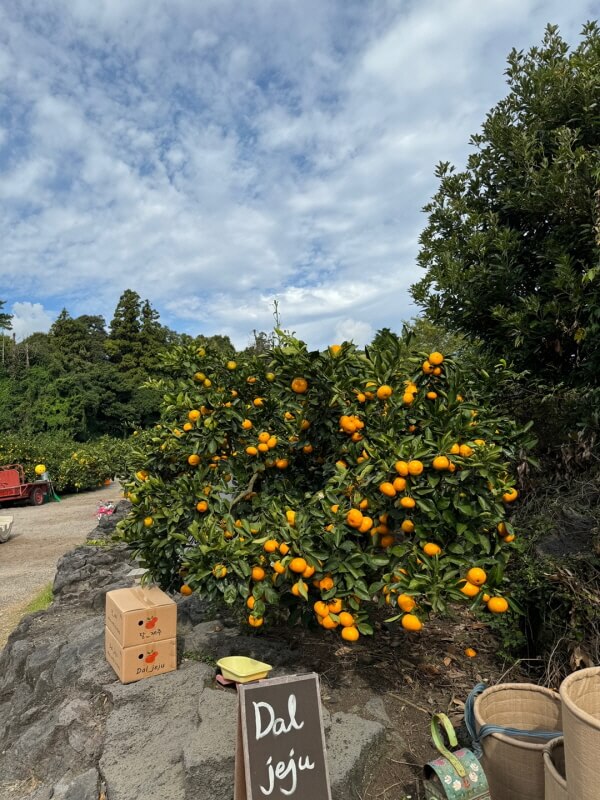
244	768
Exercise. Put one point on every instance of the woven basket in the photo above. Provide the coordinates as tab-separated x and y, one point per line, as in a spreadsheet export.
554	770
580	695
515	768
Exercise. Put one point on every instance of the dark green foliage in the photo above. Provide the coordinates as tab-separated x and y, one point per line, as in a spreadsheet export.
511	248
81	380
72	466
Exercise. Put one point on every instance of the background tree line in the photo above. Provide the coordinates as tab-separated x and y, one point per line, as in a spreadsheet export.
84	378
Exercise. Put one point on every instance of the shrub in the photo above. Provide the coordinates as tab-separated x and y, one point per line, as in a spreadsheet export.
343	479
72	466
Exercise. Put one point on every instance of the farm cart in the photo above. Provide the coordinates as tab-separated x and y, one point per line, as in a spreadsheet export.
14	487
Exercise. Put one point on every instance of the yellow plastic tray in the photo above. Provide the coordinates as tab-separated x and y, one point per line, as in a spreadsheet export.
243	669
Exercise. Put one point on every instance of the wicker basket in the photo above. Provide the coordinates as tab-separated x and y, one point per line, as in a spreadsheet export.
515	767
554	770
580	695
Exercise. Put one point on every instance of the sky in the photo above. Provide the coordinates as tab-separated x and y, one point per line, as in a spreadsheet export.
216	156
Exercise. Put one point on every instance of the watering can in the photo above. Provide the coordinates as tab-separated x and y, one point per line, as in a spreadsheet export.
456	774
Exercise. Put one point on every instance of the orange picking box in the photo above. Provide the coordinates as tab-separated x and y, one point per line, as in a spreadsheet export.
140	661
140	615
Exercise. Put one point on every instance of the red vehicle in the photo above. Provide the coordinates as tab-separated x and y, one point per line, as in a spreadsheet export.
14	487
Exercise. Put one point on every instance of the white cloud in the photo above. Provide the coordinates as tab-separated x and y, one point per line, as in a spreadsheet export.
30	318
214	156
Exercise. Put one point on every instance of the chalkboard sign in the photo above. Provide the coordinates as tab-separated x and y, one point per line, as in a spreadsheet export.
280	750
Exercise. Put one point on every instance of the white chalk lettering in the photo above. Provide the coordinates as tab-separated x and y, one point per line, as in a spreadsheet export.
281	772
275	725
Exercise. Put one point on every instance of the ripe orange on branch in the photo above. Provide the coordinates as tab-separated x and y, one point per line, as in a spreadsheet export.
299	385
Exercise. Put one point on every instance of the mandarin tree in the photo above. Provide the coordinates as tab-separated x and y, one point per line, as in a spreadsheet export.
317	485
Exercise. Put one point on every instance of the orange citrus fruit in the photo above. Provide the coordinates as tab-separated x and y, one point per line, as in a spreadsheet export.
384	392
410	622
299	385
469	589
298	564
415	467
406	602
350	634
399	484
497	605
477	576
354	518
321	608
329	623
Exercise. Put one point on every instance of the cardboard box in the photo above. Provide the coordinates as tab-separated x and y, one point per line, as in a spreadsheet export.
140	661
140	615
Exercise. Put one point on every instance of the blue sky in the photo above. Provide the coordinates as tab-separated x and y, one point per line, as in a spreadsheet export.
216	155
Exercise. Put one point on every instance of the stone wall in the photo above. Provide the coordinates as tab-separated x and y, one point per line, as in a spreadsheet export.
70	731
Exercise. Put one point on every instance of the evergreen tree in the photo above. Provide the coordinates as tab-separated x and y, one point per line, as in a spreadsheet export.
511	249
124	344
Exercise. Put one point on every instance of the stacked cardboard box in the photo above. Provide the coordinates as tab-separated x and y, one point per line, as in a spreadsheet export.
140	633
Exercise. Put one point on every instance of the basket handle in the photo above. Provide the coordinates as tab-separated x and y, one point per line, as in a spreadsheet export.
438	741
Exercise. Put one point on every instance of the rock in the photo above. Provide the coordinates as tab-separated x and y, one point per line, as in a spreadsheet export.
42	793
352	744
85	575
84	786
147	730
209	755
68	727
375	709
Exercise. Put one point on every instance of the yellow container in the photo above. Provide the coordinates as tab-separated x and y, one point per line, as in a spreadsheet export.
242	669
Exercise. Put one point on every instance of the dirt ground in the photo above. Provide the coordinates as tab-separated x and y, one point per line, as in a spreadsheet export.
40	536
415	675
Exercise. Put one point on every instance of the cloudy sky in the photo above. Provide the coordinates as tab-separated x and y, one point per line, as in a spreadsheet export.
216	155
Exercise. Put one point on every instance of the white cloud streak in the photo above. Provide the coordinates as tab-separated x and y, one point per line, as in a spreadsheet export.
216	156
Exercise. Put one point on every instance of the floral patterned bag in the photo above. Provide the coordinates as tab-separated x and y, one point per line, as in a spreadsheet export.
456	775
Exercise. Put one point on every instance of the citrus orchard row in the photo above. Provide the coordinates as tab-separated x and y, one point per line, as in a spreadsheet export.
317	485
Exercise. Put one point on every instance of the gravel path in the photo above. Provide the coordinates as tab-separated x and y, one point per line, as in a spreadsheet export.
40	536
